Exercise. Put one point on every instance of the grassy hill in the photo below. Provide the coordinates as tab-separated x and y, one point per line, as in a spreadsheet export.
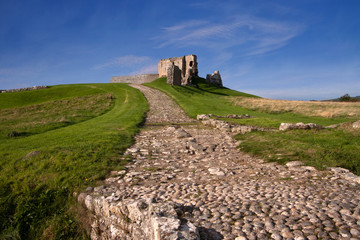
76	134
204	98
324	148
208	98
55	142
26	98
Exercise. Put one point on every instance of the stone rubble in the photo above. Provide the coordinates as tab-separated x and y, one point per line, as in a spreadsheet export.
225	126
141	218
300	125
23	89
191	182
356	124
346	174
234	116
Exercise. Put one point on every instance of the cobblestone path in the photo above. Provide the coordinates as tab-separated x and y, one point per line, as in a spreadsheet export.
162	108
225	193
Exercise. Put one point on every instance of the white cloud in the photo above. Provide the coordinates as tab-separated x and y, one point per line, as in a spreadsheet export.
256	36
152	68
130	65
181	26
126	61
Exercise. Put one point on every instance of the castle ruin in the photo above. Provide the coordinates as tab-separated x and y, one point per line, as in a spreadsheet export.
179	70
214	78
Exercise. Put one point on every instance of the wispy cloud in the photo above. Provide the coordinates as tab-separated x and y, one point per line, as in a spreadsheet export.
184	25
125	61
255	35
152	68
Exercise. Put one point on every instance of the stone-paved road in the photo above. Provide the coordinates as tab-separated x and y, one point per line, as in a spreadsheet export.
226	193
162	108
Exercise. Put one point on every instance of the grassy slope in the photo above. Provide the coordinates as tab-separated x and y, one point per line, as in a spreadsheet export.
35	192
324	148
337	147
211	99
198	100
25	98
42	117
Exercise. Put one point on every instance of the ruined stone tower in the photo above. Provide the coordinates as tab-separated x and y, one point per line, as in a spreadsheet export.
179	70
214	78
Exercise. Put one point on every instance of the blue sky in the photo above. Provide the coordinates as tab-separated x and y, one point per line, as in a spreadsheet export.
298	49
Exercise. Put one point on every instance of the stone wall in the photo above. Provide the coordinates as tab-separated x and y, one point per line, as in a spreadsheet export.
174	75
165	64
137	79
138	219
214	78
24	89
187	65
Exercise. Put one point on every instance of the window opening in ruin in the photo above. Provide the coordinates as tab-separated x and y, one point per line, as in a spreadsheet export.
191	63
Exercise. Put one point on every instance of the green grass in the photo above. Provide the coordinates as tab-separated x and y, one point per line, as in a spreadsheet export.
25	98
208	98
337	147
38	118
36	193
321	149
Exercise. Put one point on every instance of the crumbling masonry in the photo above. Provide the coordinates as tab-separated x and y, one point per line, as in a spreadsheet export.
214	78
182	70
179	70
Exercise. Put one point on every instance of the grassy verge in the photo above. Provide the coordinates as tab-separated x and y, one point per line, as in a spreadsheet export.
34	119
208	98
336	147
36	192
321	149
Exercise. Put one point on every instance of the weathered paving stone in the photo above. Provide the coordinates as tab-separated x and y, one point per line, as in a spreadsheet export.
195	175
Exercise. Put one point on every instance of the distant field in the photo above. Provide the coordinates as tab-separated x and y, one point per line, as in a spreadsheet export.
77	134
324	148
308	108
